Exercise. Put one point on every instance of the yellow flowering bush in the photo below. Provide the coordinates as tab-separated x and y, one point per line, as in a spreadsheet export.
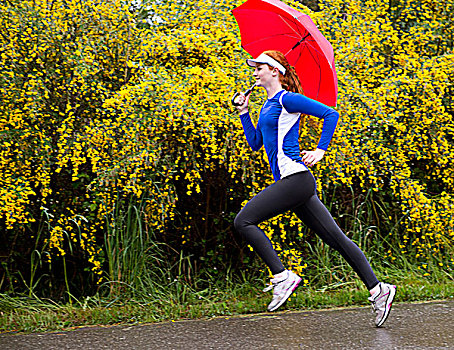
59	61
105	104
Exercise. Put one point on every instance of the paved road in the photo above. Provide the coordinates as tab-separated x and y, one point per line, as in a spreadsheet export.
410	326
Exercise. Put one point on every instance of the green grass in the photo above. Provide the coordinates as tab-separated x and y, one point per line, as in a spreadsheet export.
226	297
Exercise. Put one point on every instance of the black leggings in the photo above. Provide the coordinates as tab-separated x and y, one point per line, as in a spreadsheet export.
297	193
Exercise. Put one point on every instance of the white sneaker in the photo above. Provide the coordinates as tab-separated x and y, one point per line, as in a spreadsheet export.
283	288
382	301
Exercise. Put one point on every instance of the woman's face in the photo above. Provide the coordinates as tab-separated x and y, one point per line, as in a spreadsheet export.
264	74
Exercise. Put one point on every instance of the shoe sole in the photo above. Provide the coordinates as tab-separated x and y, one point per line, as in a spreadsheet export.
389	304
287	294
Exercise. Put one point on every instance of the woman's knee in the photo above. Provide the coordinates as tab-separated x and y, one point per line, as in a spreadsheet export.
243	222
238	222
342	243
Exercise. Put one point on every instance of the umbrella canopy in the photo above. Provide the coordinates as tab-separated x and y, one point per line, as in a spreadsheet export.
273	25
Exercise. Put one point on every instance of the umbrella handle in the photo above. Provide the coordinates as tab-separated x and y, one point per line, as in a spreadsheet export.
247	92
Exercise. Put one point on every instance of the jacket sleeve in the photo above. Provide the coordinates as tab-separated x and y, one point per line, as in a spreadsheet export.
253	135
297	103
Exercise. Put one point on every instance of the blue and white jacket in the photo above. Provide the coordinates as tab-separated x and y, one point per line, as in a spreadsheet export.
278	130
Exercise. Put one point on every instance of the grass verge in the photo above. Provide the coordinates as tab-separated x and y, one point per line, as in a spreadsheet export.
228	297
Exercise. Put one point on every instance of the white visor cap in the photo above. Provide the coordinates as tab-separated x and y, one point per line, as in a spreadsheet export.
264	58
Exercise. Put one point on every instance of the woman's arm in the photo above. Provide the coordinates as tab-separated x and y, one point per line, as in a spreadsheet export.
253	135
297	103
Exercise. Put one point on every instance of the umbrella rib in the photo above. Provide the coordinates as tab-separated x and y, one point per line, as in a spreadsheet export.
313	48
268	37
320	53
300	35
316	59
284	19
311	52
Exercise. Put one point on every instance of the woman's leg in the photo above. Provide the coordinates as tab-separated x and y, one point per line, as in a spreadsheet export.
276	199
315	215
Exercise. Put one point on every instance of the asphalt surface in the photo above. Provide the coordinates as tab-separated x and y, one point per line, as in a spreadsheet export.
410	326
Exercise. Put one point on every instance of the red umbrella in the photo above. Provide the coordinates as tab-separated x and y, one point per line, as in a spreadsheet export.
273	25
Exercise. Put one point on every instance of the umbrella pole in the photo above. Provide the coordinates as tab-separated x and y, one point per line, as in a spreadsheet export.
297	44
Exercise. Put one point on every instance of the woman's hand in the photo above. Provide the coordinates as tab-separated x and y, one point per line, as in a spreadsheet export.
243	102
311	158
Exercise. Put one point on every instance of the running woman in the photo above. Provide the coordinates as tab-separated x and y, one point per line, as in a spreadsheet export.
294	187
